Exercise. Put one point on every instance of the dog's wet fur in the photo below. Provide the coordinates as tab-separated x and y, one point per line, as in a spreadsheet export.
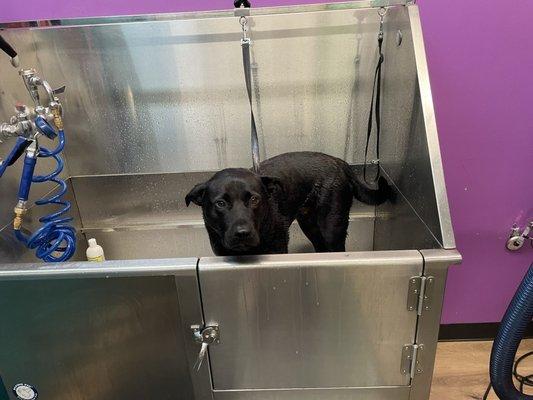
249	214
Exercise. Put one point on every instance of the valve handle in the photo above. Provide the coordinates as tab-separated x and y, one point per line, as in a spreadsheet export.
59	90
20	146
45	128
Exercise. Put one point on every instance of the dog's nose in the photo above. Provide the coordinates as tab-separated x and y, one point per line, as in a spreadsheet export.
243	232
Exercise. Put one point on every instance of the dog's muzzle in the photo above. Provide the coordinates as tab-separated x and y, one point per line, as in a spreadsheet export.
243	237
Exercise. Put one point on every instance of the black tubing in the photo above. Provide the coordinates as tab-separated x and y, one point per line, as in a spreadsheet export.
512	329
5	46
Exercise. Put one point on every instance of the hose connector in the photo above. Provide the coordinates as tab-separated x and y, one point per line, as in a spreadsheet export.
20	210
56	112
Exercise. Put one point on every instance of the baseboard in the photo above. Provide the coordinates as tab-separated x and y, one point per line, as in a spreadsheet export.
486	331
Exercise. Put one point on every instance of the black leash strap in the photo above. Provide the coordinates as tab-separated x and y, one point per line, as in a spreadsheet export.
245	44
375	103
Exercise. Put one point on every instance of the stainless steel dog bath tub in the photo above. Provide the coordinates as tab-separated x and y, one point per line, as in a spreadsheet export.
150	102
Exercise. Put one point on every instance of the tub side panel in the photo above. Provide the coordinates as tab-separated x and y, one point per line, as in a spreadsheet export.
407	148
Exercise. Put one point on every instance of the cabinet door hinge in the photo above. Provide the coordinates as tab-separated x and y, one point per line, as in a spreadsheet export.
412	359
420	293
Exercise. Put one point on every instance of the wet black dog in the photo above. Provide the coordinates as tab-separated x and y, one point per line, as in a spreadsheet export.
247	213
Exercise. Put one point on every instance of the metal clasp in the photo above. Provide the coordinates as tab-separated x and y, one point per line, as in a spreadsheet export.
205	336
381	12
244	26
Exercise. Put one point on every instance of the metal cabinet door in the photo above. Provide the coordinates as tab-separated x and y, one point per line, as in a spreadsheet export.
309	320
102	331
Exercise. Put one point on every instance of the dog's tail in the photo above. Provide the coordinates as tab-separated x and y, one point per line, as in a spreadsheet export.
370	195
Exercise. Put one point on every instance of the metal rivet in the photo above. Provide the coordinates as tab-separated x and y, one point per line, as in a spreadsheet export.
399	37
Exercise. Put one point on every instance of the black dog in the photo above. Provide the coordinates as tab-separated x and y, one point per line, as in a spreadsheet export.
247	213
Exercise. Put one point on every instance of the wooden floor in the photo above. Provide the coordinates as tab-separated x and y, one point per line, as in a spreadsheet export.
461	370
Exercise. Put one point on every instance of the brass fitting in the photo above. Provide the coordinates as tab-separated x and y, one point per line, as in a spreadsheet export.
19	217
58	120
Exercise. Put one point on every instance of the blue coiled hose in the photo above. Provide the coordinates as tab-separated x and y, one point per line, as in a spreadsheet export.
512	329
55	240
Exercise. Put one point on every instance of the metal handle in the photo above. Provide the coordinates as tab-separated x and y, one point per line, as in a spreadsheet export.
206	336
18	150
201	356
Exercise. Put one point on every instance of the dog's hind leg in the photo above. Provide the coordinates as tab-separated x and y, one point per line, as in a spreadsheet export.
309	224
333	218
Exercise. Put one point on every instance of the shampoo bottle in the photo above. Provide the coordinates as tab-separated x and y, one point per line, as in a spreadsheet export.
94	251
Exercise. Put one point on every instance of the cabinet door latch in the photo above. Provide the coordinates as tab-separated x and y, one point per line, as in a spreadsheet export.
209	335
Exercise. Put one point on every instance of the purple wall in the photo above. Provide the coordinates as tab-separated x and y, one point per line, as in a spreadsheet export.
480	62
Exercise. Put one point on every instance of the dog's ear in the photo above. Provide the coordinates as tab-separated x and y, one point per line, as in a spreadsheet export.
272	184
196	195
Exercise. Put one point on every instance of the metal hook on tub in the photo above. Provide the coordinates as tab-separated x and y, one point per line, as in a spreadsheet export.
242	10
244	26
381	12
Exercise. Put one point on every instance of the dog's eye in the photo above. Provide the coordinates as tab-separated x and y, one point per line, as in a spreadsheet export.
220	203
254	200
